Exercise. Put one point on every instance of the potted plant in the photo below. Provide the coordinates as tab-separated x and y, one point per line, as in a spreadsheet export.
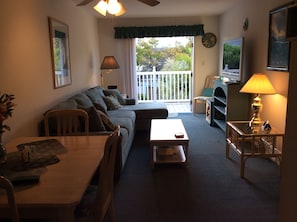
6	108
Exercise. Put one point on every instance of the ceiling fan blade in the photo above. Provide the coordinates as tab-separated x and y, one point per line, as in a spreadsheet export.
84	2
150	2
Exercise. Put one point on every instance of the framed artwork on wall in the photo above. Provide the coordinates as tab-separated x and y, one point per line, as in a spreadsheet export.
278	45
60	56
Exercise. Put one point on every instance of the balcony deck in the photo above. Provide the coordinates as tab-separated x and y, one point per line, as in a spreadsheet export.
179	107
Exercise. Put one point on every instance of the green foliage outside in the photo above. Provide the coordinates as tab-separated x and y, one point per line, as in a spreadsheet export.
165	58
150	54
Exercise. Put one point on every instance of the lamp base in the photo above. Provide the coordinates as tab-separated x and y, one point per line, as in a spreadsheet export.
254	122
256	108
255	125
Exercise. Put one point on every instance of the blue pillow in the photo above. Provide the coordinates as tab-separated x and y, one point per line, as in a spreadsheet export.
207	92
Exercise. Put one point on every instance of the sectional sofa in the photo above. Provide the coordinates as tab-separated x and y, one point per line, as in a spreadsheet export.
107	108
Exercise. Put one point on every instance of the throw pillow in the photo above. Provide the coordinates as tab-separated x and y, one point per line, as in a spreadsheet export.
116	93
207	92
95	122
107	122
111	102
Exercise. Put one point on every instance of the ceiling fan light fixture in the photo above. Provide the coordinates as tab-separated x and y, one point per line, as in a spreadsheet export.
101	7
122	11
113	7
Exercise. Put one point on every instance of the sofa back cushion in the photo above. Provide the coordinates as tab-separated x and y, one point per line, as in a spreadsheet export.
96	96
83	100
67	104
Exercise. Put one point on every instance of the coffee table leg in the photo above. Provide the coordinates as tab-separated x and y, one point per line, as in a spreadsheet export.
152	156
186	155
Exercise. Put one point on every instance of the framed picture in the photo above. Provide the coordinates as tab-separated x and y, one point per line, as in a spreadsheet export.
59	42
278	46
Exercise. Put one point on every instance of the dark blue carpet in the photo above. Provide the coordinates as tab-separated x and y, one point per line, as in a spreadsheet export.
209	190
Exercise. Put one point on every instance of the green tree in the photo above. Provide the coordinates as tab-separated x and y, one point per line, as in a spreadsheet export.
166	58
147	54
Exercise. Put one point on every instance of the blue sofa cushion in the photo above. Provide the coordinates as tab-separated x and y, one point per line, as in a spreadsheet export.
67	104
96	95
123	122
83	100
123	114
148	110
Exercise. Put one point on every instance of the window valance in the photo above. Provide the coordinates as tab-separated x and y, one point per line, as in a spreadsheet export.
158	31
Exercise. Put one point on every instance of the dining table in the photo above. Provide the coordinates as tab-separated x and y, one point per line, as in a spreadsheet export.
62	184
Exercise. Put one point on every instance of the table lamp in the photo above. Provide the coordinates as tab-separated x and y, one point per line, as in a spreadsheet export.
257	84
110	63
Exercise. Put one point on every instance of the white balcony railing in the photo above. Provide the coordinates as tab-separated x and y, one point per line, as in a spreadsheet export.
165	86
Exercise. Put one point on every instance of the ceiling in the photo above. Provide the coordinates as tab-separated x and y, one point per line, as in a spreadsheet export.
169	8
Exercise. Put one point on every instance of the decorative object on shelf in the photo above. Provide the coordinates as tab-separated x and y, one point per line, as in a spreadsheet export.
245	24
257	84
6	108
266	127
109	63
59	40
278	46
209	40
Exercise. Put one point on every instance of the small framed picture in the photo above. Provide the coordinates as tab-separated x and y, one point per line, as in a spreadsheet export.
59	41
278	45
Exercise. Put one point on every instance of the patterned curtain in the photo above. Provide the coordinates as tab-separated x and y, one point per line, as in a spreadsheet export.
158	31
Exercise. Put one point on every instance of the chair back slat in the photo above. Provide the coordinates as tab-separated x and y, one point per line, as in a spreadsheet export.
67	122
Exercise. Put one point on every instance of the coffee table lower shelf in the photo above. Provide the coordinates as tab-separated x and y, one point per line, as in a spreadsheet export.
169	154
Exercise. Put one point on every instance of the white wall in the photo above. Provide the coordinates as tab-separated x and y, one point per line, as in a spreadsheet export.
206	59
25	62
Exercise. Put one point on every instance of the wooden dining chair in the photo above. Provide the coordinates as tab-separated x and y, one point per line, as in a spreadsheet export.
67	122
7	186
97	202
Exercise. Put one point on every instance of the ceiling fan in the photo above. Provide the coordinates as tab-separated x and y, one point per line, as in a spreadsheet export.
148	2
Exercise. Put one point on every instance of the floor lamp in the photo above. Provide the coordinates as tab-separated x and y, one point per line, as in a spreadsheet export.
257	84
109	63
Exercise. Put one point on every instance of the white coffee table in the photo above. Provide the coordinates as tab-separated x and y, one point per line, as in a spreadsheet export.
165	146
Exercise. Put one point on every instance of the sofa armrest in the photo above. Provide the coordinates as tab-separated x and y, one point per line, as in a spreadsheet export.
130	101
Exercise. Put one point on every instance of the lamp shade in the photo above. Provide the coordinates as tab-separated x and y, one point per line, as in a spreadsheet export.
258	84
101	7
114	7
109	62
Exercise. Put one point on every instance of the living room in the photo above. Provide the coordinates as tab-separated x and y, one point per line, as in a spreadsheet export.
26	69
